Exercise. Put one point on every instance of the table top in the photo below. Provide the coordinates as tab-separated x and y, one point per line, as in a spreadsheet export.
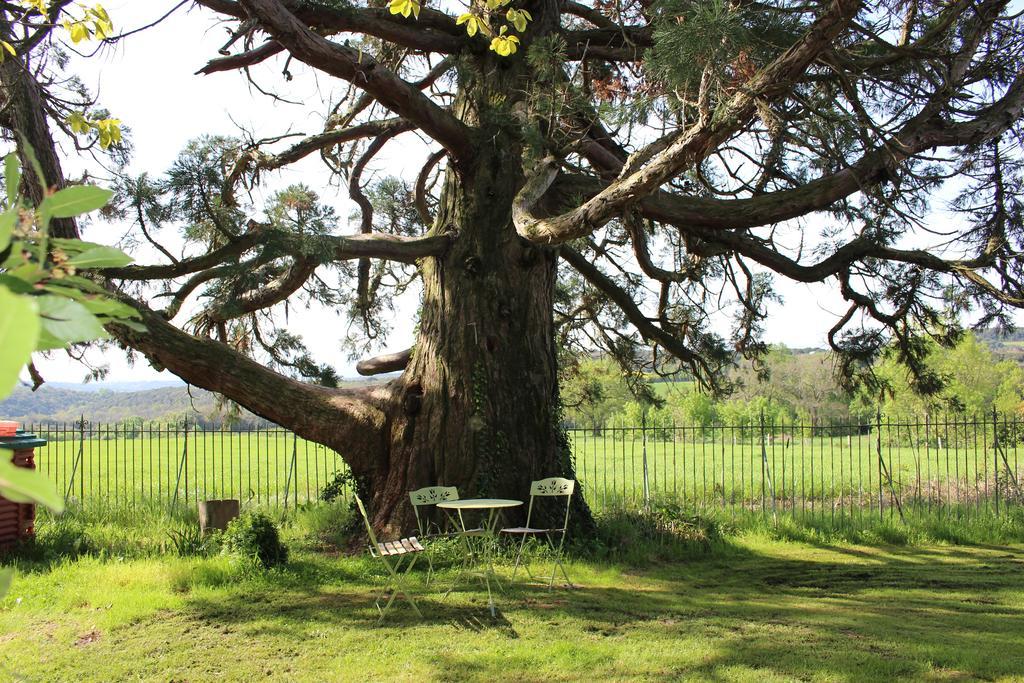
479	503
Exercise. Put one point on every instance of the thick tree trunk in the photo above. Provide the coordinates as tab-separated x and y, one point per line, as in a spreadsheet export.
477	407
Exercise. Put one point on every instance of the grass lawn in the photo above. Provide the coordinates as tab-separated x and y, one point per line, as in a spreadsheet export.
750	610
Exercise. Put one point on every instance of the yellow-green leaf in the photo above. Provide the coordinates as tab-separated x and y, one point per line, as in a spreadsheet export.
79	30
504	45
66	322
518	19
404	7
471	21
19	332
41	6
7	221
12	178
100	257
22	485
109	131
78	123
75	200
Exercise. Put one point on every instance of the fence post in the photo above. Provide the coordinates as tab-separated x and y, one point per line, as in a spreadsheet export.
883	470
1010	477
289	478
643	437
78	460
878	443
766	475
182	466
995	454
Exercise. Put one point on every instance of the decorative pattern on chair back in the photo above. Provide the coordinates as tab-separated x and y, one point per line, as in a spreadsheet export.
432	495
553	486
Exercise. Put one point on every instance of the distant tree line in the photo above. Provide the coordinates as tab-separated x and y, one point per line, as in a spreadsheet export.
798	387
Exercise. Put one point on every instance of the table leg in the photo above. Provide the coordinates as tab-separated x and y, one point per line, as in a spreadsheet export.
489	557
485	553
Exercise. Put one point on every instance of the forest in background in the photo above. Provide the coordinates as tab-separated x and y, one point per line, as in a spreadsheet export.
980	374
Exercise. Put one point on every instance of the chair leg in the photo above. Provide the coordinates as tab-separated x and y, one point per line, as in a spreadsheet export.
399	587
557	555
405	592
519	557
430	569
388	587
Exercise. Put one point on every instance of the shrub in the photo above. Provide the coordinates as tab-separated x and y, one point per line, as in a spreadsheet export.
337	486
253	535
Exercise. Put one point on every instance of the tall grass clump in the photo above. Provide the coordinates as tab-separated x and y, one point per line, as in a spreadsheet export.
664	532
321	526
106	531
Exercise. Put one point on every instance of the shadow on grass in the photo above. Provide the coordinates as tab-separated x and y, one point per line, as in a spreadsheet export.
847	613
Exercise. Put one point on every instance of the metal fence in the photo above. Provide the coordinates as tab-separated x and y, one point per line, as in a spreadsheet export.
836	471
182	463
833	471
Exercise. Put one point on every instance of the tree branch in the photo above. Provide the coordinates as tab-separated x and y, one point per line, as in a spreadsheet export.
919	134
352	421
242	59
336	248
341	61
254	162
388	362
694	144
629	308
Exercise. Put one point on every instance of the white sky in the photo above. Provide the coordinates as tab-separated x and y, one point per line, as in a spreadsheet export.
148	82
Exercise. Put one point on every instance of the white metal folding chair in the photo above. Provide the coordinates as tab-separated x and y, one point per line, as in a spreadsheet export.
430	495
400	549
554	486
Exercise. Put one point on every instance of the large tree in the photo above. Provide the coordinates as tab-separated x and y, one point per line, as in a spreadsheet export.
600	175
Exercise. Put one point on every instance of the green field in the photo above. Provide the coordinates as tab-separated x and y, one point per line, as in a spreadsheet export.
165	465
809	473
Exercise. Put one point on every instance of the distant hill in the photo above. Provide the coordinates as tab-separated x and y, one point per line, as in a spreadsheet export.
58	403
95	387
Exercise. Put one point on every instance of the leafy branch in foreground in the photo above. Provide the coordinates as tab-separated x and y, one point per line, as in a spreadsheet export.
45	303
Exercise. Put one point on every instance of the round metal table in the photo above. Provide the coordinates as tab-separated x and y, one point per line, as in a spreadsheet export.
487	535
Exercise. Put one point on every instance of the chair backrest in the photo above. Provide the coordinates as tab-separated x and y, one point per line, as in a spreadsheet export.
430	495
366	521
552	486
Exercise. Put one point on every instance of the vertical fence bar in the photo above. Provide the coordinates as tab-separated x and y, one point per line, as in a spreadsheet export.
945	449
643	436
995	454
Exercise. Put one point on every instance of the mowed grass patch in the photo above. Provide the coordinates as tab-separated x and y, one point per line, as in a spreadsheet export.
751	609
